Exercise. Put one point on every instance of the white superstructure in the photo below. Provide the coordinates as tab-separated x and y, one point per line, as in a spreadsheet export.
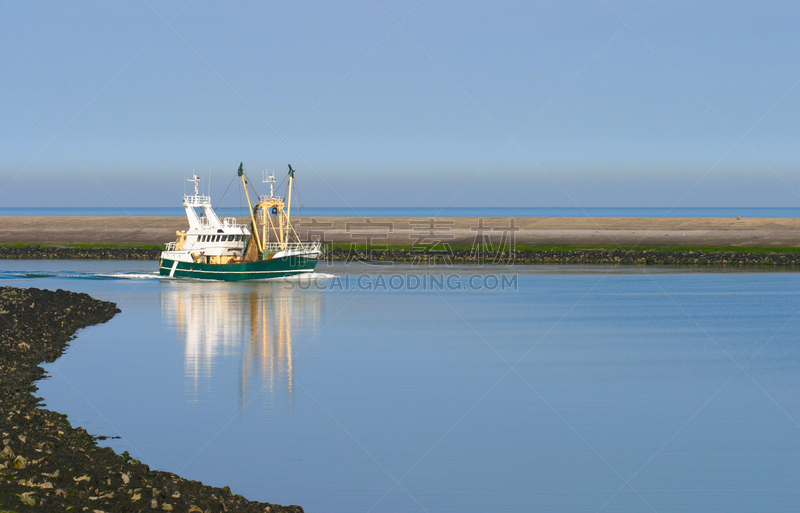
209	239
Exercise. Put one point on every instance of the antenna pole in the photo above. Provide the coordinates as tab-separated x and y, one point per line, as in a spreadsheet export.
196	180
288	204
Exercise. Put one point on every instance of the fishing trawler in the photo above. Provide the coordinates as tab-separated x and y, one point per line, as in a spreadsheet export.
221	249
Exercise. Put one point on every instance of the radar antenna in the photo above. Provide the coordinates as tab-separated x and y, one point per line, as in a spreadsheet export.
271	181
196	180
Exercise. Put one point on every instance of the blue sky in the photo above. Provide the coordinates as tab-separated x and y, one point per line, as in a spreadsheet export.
421	103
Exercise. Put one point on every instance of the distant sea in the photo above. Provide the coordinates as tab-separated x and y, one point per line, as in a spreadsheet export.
721	212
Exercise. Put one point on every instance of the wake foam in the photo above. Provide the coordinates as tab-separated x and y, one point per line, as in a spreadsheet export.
80	275
307	277
131	276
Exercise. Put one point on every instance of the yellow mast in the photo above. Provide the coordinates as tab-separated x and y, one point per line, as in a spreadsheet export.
250	205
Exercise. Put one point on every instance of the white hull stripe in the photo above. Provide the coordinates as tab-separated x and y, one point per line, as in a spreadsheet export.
172	271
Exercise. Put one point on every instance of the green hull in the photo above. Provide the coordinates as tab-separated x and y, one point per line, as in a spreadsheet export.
263	269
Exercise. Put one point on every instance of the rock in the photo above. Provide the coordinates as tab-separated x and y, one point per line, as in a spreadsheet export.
6	453
28	499
20	462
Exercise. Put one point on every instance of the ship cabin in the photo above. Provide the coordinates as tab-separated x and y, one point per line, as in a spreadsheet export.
209	239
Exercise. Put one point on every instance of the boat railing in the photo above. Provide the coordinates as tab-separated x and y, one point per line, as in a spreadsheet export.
274	247
170	246
230	222
197	201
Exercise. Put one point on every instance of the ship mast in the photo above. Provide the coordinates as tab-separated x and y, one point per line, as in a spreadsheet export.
196	180
288	205
250	205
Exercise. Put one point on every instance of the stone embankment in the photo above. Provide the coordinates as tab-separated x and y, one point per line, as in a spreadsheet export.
578	256
458	256
45	463
73	253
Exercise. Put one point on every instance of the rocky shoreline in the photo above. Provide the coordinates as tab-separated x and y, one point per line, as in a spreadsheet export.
456	256
45	463
73	253
577	256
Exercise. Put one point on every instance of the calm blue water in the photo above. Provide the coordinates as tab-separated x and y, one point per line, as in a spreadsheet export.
574	389
776	212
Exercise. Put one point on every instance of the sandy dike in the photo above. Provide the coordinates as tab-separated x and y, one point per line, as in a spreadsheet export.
610	231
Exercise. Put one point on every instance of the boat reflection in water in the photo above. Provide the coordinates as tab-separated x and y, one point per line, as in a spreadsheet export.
255	326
